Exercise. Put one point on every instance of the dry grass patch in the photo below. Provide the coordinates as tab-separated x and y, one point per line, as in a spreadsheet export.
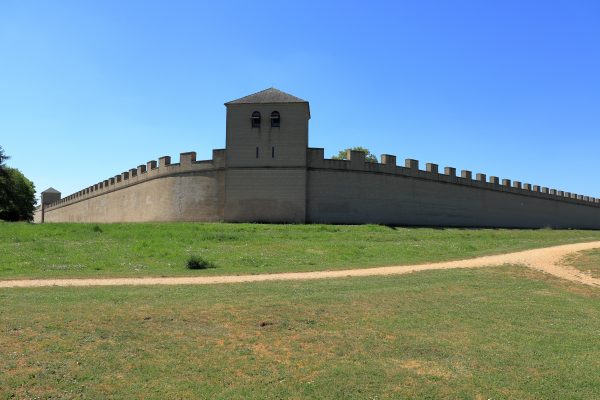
586	261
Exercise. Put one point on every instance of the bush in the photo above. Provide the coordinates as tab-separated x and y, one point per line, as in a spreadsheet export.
197	262
97	229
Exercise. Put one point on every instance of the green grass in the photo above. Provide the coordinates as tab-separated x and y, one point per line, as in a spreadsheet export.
163	249
586	261
499	333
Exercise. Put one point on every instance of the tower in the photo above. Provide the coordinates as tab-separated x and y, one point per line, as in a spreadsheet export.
266	143
48	196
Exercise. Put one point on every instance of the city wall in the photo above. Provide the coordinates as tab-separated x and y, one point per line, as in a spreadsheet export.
158	191
349	191
354	191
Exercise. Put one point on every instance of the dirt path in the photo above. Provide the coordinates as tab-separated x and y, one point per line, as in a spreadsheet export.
545	259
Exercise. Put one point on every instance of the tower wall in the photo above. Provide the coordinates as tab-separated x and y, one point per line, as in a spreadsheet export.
266	166
290	140
266	195
49	197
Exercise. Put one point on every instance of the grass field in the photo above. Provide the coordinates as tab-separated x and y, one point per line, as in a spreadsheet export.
498	333
491	333
84	250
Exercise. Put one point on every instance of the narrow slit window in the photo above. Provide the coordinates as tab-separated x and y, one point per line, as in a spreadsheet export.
257	152
255	119
275	119
273	152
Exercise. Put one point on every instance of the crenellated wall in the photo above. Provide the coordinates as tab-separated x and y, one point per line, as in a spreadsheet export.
325	191
157	191
269	174
355	191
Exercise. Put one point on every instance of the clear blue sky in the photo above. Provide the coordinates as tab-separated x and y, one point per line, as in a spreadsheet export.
509	88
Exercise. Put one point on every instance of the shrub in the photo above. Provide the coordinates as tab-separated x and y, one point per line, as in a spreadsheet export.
97	229
197	262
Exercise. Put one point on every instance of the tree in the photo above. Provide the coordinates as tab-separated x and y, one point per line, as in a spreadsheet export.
369	157
3	158
17	193
3	176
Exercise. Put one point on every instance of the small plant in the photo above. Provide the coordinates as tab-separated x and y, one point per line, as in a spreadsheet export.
197	262
97	229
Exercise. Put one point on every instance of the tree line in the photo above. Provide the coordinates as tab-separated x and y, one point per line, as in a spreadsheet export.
17	193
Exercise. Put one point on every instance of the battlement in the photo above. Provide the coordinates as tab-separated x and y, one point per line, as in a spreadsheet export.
163	167
142	173
356	163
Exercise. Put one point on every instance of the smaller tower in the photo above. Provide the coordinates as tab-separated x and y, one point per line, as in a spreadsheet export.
48	196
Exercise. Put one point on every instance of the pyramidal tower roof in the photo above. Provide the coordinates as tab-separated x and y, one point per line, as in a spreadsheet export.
270	95
50	190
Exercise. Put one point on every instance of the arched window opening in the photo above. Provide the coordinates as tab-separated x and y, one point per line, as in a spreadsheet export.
255	119
275	119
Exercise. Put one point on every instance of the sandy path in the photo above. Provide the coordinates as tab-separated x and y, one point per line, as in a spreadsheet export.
545	259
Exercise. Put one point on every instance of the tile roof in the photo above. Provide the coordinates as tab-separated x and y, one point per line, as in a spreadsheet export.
270	95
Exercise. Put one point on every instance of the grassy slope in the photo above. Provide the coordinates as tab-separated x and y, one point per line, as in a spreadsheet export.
503	332
76	250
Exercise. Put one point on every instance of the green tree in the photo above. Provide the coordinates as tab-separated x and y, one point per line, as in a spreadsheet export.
3	158
3	177
369	157
17	196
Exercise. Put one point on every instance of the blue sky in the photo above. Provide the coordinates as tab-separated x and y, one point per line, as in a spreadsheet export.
508	88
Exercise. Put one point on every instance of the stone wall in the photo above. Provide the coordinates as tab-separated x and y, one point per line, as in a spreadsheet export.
326	191
266	195
355	191
37	215
188	191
